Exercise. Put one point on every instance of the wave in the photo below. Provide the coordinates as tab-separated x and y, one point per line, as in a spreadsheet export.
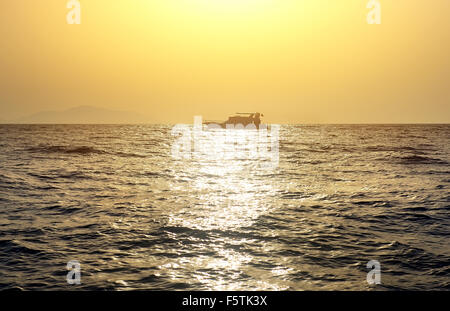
81	150
66	149
416	159
57	175
393	148
18	247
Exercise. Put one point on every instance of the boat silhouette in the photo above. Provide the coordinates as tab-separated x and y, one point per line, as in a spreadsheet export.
240	120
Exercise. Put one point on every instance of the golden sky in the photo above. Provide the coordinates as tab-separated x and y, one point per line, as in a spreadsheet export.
297	61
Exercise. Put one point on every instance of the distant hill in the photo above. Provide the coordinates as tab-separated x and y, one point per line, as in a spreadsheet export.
84	114
3	121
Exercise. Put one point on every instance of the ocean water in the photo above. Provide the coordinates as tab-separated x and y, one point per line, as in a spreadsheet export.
113	198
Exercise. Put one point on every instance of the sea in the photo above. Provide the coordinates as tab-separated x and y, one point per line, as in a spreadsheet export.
341	203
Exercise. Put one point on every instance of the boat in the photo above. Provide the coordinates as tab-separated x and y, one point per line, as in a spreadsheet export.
240	120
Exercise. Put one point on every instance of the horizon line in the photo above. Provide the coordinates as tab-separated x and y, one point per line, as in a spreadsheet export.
280	123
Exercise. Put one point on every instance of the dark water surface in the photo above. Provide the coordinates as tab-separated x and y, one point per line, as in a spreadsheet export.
113	198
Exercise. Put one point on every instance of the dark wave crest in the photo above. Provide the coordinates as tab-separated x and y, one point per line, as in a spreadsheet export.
83	150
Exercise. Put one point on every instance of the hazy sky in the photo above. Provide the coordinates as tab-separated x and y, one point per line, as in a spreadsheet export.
294	60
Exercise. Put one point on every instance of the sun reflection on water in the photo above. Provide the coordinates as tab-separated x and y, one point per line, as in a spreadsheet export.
229	195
